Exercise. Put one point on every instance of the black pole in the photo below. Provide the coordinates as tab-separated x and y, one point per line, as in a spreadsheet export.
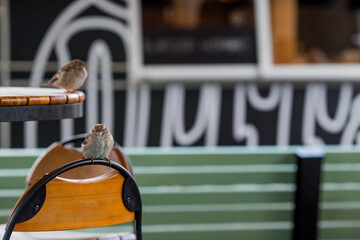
307	194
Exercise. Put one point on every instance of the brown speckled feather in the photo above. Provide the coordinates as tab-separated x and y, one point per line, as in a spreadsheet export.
70	76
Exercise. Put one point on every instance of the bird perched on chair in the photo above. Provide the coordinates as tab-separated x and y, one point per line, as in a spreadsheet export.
70	76
98	143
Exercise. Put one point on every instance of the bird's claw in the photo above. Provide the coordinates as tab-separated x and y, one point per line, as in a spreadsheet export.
92	160
108	160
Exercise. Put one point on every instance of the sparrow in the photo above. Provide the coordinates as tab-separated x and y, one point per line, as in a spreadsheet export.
70	76
98	143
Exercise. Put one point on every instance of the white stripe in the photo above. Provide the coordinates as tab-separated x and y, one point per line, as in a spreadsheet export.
288	206
264	37
340	224
339	205
216	169
219	207
18	172
20	152
215	227
237	151
144	101
235	188
31	134
205	227
11	193
341	167
348	186
5	212
238	226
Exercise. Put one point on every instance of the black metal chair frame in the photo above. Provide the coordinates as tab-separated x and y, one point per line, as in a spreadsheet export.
130	194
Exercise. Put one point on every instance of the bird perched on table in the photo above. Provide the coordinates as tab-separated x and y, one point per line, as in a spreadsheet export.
70	76
98	143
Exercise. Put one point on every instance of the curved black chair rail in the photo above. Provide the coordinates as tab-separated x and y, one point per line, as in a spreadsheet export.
78	163
80	138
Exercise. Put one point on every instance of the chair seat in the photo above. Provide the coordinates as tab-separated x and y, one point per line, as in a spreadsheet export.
64	235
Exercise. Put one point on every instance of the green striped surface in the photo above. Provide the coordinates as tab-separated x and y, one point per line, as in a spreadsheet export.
220	193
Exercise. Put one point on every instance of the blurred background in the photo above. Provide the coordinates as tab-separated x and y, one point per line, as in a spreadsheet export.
191	72
203	73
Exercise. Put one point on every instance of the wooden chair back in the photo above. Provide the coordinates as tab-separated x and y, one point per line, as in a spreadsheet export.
55	203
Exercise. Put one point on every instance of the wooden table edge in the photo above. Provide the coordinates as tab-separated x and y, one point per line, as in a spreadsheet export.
66	98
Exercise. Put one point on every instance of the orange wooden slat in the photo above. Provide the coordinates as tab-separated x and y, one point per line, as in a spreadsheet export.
12	101
58	99
72	98
38	100
81	96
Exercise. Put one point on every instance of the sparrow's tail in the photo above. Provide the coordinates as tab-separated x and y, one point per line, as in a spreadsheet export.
51	81
47	84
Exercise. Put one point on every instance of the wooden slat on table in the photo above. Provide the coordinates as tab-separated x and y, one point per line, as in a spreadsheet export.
17	96
13	101
58	99
38	100
72	98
